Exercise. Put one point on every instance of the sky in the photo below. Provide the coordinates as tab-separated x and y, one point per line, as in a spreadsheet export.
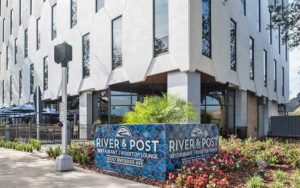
294	72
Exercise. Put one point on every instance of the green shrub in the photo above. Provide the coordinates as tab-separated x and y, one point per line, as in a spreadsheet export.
255	182
296	179
165	109
280	177
36	144
53	152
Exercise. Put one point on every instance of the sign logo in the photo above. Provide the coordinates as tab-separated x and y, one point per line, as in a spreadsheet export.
122	132
196	132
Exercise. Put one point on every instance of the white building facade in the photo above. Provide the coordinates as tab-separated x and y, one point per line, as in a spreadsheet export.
217	55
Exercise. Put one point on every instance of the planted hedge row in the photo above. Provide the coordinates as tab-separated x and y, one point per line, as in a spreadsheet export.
32	144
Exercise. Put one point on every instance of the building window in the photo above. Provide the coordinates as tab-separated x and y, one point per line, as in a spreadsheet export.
244	6
3	30
259	16
86	55
161	27
53	22
6	3
233	45
16	51
45	70
286	51
271	30
275	75
7	57
26	43
251	53
283	81
30	8
20	12
31	78
10	88
99	4
3	92
206	28
38	34
20	83
117	42
265	67
73	13
11	21
279	40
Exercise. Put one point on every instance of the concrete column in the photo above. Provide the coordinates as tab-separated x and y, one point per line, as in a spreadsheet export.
241	110
186	85
95	107
85	114
267	108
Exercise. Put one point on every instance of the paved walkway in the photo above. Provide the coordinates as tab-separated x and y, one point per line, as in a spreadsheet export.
22	170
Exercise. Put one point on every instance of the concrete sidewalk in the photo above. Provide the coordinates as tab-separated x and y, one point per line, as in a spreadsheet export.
22	170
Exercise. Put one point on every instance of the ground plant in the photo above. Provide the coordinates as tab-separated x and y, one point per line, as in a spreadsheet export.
82	154
161	109
21	145
255	182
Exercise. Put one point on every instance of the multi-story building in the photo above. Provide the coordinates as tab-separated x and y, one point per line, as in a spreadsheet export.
218	55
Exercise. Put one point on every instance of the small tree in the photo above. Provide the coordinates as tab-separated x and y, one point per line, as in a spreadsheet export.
165	109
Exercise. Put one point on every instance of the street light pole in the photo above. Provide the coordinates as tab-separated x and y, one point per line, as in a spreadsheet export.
62	55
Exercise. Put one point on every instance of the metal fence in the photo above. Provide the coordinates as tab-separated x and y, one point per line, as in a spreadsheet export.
47	132
285	126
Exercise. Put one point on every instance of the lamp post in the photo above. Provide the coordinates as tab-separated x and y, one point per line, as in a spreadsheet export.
62	55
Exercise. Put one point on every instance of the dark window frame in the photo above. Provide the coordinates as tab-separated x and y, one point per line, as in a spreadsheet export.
244	6
283	80
10	88
16	51
53	35
31	79
3	30
38	34
252	60
26	43
86	69
45	73
233	64
20	83
275	75
30	7
265	67
112	46
7	59
20	12
259	15
11	21
209	55
154	28
72	13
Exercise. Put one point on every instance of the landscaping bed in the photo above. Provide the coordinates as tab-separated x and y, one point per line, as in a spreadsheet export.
234	166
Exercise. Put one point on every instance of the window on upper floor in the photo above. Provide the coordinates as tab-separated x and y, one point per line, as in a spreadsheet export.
99	4
0	7
279	40
45	71
275	75
3	91
116	43
259	15
53	22
11	20
38	34
20	12
31	78
6	3
161	26
26	43
244	6
251	57
286	51
233	49
265	67
3	30
206	28
6	61
270	30
30	7
10	88
73	13
86	56
283	81
20	83
16	52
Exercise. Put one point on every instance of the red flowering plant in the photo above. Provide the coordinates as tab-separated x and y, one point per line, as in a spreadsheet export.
207	172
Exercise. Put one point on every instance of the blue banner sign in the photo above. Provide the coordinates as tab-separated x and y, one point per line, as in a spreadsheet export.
153	150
